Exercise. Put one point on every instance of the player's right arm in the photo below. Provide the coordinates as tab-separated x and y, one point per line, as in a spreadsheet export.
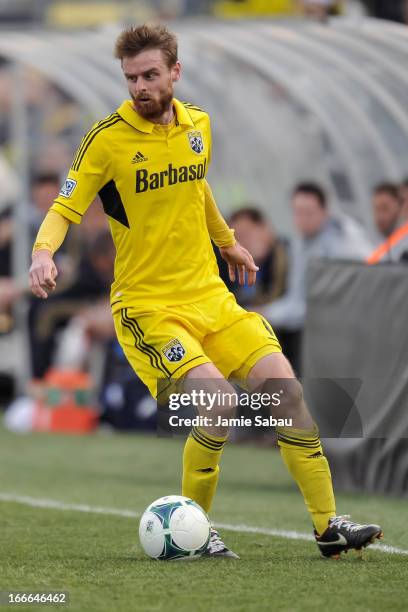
88	173
43	270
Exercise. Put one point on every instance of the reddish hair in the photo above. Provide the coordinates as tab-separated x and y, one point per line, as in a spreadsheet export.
134	40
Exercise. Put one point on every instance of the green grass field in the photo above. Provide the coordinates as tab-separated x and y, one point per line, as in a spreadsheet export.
97	558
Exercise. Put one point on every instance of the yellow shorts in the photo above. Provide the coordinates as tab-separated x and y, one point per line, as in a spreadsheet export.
165	343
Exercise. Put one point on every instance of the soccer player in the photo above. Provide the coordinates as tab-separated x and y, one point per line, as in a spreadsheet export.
173	315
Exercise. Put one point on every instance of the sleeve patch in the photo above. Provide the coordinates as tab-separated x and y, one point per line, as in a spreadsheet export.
68	188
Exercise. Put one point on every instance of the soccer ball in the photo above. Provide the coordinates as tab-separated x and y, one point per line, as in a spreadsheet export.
174	527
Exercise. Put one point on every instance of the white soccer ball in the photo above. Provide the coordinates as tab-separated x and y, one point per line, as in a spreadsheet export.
174	527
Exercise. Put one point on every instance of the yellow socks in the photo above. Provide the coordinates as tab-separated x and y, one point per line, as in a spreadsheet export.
303	455
202	454
301	451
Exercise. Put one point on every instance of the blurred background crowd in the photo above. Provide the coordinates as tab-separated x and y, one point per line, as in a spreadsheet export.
76	13
304	219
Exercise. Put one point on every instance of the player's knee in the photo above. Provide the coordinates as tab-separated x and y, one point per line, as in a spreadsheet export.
293	393
227	404
216	398
287	395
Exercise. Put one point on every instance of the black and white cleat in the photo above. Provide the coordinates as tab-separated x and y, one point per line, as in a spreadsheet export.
342	535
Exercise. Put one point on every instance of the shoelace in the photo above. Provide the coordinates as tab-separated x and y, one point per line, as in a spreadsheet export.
343	521
216	544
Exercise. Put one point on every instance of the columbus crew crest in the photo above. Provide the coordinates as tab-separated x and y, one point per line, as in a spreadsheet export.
196	141
174	350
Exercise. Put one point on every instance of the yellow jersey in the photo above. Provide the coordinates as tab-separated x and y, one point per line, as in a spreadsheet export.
150	179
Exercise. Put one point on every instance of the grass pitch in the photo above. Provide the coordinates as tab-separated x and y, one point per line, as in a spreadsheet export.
97	558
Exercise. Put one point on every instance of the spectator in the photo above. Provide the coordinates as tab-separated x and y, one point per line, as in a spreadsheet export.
256	234
320	9
318	234
403	192
386	208
394	208
45	187
9	291
6	237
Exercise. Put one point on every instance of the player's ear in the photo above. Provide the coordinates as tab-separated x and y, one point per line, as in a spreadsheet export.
176	72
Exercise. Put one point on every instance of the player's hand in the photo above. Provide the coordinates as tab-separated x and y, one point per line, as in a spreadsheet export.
239	259
43	273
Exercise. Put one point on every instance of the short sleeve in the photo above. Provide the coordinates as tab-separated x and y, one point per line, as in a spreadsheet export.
89	172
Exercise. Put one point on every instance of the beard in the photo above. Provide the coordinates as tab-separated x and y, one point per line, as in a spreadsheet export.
153	108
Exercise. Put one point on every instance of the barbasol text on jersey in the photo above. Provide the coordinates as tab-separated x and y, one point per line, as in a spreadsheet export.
171	176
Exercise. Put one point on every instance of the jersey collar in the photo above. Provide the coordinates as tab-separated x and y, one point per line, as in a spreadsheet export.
128	113
182	115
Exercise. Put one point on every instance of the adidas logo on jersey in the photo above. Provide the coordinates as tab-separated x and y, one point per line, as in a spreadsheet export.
139	157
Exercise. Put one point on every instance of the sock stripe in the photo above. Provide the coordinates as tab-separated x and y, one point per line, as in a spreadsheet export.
298	436
292	443
202	443
307	442
297	443
303	440
209	437
206	441
202	439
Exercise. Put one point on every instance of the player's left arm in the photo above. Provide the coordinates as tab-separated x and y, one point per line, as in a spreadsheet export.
220	233
238	259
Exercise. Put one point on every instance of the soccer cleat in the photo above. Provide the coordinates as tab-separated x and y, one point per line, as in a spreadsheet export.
342	535
217	548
